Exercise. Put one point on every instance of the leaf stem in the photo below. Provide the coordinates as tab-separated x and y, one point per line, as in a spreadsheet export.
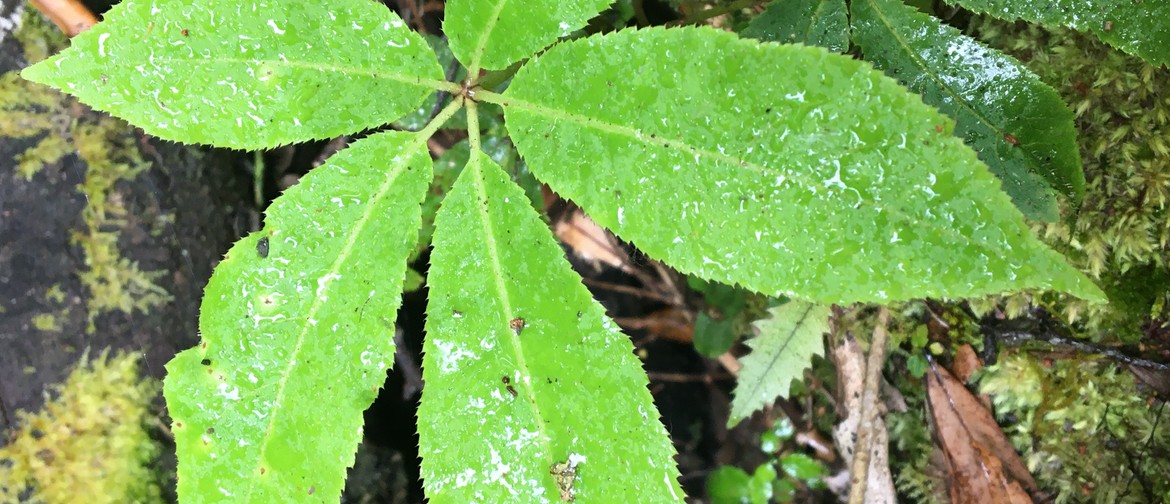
473	124
492	97
450	87
441	118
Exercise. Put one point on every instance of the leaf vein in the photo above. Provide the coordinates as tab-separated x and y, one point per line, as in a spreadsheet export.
342	256
636	134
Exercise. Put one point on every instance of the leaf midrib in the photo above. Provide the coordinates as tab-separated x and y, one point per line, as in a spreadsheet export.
359	226
388	74
776	352
817	13
634	133
505	299
933	76
481	44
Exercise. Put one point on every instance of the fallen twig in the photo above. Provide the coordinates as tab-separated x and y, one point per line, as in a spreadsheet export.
859	470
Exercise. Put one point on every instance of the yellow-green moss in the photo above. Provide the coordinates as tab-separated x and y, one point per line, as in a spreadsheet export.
1083	428
55	294
88	444
114	282
26	111
1120	234
39	37
46	322
108	148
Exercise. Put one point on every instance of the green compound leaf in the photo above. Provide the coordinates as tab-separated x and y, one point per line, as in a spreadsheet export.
783	349
447	169
247	75
298	328
812	22
533	394
1138	27
492	34
1019	125
786	169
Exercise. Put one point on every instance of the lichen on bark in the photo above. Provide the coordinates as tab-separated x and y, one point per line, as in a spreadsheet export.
109	149
91	441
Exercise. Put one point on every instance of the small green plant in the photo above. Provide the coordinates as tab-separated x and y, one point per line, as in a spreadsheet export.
786	169
776	480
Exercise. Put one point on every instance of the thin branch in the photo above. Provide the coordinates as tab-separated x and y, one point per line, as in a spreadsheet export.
688	378
1016	338
859	471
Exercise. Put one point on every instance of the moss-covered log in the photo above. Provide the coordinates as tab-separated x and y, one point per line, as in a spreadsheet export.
107	237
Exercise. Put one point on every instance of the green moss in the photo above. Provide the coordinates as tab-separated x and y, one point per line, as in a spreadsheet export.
90	443
1082	428
46	322
108	148
39	37
1120	234
1081	424
48	151
55	294
22	106
114	282
911	449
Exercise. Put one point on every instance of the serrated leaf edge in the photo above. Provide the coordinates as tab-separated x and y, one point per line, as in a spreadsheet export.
956	97
679	145
397	170
788	339
758	325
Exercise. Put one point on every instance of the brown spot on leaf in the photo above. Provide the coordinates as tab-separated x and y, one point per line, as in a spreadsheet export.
517	325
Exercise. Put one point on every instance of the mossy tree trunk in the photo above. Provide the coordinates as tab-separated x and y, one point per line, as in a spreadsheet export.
106	237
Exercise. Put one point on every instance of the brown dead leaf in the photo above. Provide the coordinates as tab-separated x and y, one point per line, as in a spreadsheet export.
589	241
966	363
668	323
1156	379
71	16
983	466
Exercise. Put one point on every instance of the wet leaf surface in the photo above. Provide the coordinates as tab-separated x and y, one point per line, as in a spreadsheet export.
812	22
298	331
1138	27
530	387
835	186
1019	125
167	67
492	34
